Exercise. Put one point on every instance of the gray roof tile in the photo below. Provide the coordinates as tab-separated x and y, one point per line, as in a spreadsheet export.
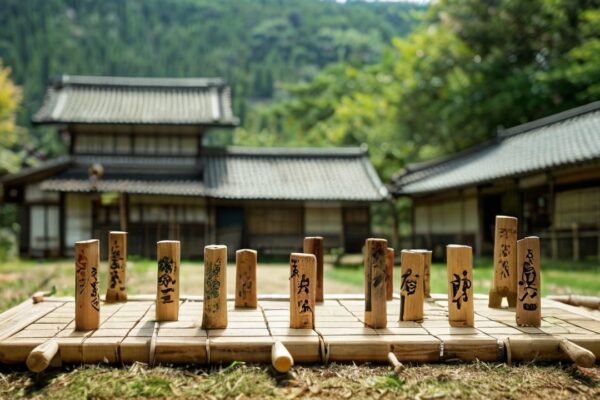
571	137
235	173
120	100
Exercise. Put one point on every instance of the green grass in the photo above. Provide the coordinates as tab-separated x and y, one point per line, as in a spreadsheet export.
558	277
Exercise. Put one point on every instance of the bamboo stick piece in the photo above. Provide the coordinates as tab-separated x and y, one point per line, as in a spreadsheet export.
580	356
215	287
87	294
281	358
427	254
314	245
40	357
245	278
577	300
117	264
411	286
505	262
167	291
37	297
303	270
460	285
529	304
389	267
393	360
375	283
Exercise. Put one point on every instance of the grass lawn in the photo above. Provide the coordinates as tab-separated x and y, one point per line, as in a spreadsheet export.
558	277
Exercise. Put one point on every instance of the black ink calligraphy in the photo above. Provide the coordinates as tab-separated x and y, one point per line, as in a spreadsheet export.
94	284
115	267
304	284
80	269
166	282
527	281
459	289
212	287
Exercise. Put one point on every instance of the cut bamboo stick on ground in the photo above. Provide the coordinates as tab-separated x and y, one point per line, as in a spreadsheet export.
580	356
303	271
375	314
167	291
460	285
87	293
281	358
215	287
529	303
245	278
504	283
40	358
395	363
117	265
579	301
314	245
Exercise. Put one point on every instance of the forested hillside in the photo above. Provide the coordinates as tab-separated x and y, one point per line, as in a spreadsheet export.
254	44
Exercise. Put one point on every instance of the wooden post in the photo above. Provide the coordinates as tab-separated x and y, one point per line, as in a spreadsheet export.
389	268
40	357
460	285
117	264
245	278
167	290
375	283
87	293
505	262
314	245
579	355
529	304
215	287
303	272
411	286
426	271
281	358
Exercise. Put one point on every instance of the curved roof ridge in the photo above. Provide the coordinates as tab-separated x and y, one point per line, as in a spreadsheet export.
156	82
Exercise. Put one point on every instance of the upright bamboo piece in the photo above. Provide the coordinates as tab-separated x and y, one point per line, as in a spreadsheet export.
314	245
426	271
460	285
245	278
505	262
529	304
215	287
117	264
167	291
375	283
411	285
87	291
389	268
303	272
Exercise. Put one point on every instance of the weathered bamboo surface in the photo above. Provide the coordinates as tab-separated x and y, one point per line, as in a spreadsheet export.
128	332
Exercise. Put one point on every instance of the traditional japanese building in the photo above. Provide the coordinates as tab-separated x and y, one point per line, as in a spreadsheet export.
137	162
545	172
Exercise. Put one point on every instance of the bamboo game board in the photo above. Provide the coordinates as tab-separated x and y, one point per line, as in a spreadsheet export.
128	333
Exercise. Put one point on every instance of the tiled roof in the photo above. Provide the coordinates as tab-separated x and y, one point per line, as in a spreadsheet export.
568	138
121	100
234	173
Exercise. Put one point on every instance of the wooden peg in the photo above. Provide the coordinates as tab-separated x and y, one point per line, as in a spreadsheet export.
389	268
505	262
37	297
411	285
281	358
393	360
117	264
529	303
579	355
167	291
375	283
314	245
245	278
303	272
40	357
215	287
426	271
87	293
460	285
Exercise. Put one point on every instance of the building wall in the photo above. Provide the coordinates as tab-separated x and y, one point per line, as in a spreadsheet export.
44	217
78	219
437	224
